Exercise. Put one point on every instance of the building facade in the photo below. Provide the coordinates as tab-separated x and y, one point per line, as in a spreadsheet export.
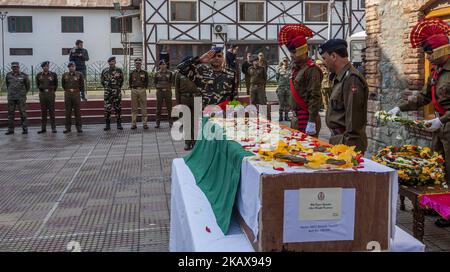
34	32
191	27
395	72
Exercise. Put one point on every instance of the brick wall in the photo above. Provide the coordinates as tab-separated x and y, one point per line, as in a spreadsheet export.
394	70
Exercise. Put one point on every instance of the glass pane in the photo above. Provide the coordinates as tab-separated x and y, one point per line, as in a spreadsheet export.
252	12
183	11
316	12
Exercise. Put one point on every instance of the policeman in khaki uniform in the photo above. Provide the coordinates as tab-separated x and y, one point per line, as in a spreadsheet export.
72	82
347	112
18	85
432	36
305	79
185	91
138	82
163	84
47	83
258	80
326	84
112	81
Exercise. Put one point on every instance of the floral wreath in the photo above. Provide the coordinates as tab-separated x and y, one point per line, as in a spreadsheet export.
416	165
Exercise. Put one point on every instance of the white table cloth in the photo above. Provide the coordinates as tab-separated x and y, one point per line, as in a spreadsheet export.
193	225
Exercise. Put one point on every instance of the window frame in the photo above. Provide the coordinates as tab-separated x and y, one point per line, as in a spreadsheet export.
17	48
122	53
264	3
196	19
15	31
129	30
315	2
65	17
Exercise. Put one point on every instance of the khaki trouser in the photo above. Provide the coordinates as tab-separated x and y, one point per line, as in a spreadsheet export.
166	95
441	144
138	100
47	101
325	92
72	103
247	84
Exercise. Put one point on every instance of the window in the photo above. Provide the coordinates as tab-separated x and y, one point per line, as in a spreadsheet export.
120	51
65	51
18	24
362	4
251	11
72	24
21	51
116	25
316	12
183	10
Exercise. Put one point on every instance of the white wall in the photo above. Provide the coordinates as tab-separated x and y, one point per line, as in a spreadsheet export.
47	40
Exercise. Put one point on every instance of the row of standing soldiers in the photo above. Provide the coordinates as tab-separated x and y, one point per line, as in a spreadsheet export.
112	79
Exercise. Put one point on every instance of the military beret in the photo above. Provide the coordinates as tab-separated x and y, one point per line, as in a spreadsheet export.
45	63
332	45
78	42
254	58
111	59
162	62
137	60
14	63
217	49
71	63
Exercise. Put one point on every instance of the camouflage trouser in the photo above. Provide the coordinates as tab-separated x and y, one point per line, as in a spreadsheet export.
113	98
283	93
22	106
47	101
72	104
258	95
189	101
441	144
166	95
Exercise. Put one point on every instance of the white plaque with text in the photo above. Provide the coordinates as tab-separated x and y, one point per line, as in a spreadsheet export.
319	214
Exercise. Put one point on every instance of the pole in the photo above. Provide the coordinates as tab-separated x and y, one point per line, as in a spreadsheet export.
3	17
330	18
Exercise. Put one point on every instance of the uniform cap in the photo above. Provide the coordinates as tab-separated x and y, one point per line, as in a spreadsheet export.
15	63
138	60
71	63
111	59
45	63
332	45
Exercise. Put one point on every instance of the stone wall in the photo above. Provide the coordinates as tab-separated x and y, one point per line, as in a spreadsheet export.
394	70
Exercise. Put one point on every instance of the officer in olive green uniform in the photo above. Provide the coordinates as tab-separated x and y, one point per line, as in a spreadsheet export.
283	88
163	84
347	111
47	83
185	91
112	81
72	82
18	85
138	81
258	80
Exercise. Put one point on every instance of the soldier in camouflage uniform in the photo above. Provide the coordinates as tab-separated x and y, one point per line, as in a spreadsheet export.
213	81
185	91
163	84
283	91
72	83
47	83
18	85
138	81
112	81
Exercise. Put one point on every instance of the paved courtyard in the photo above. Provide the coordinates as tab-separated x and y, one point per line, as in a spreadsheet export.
102	191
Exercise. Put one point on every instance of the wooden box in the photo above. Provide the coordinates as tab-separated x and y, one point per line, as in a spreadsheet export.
372	210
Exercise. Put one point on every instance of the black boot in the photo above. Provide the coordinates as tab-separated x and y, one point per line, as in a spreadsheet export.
108	125
43	130
119	125
24	131
286	116
280	118
157	124
9	132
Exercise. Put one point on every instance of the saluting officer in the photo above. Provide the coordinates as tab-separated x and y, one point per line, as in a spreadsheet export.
72	82
112	81
47	83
